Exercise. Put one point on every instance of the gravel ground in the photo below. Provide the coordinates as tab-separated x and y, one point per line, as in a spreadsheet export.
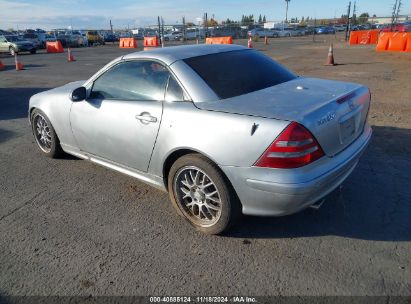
69	227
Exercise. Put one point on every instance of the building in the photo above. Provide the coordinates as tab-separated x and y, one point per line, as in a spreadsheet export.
387	20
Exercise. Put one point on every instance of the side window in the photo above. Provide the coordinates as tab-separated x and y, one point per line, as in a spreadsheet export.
132	80
174	91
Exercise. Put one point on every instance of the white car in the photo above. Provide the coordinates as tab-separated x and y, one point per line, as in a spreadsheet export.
263	33
173	36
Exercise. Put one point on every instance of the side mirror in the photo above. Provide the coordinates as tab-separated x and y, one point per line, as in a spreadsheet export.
79	94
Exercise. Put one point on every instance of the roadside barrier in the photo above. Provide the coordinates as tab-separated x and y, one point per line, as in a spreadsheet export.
394	42
219	40
2	66
54	47
151	41
364	37
19	65
128	43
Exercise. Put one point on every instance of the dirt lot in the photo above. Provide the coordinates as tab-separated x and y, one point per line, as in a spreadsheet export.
69	227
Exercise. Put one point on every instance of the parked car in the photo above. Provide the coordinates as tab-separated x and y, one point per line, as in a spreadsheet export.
175	119
14	44
110	38
402	28
235	32
258	32
176	35
76	39
325	30
287	32
340	28
93	37
33	37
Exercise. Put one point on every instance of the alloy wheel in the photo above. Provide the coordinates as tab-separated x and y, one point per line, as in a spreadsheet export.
42	133
197	196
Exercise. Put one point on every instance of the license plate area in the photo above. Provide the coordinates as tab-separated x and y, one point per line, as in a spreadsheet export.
347	129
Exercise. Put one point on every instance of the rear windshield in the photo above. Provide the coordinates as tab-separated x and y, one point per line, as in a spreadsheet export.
240	72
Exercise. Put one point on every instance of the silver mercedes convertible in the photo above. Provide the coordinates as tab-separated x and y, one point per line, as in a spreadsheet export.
224	129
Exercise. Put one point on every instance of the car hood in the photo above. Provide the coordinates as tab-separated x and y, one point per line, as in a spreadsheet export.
65	89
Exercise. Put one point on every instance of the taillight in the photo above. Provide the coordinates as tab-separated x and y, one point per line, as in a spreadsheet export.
295	147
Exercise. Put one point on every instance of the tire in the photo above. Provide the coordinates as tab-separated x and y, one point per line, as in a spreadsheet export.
45	135
12	51
211	209
33	51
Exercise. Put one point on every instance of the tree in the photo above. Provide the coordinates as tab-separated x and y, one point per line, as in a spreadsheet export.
212	22
190	24
363	18
247	20
260	19
264	19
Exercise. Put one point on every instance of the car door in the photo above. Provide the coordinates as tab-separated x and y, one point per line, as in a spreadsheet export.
120	119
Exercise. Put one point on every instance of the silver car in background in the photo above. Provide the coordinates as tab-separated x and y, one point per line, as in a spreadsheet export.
224	129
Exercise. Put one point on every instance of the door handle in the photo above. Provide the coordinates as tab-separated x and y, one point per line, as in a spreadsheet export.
146	117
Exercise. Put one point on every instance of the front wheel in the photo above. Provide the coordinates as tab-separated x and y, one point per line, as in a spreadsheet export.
45	135
200	192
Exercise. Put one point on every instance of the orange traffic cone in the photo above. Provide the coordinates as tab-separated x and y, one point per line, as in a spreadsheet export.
250	43
19	65
2	66
70	57
330	58
266	40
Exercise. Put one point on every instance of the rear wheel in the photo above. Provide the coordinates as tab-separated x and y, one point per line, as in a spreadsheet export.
200	193
33	51
45	135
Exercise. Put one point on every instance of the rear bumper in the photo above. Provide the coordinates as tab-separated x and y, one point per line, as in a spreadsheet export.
276	192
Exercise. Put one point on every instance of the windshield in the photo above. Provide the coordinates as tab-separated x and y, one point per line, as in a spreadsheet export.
235	73
30	36
13	38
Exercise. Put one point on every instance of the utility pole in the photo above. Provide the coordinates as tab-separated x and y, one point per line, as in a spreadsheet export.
184	28
205	25
111	26
159	31
286	10
162	31
347	29
354	13
395	12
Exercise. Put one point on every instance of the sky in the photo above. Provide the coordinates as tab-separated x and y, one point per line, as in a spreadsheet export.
95	14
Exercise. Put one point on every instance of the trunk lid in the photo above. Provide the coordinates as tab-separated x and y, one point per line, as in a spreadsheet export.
333	111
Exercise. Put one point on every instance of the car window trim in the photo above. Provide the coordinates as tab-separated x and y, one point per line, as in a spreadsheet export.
90	82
